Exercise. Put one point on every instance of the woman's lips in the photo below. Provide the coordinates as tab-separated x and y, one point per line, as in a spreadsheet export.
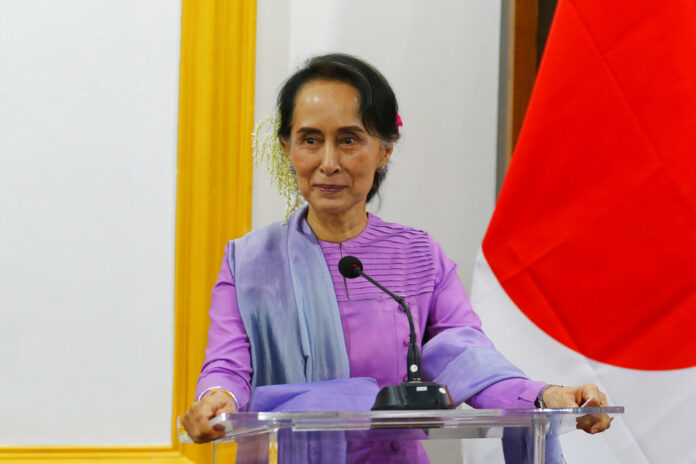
329	189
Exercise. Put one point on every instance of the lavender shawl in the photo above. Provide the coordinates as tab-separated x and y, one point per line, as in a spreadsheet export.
288	306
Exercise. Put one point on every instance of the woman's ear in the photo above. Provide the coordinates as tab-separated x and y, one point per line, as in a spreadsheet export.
284	145
387	153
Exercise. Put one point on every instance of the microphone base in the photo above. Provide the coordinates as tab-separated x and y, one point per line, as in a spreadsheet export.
413	395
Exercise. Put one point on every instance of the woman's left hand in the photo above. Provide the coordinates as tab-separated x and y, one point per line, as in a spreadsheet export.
574	397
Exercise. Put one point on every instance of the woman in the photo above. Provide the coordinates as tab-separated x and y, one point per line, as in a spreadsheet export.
281	310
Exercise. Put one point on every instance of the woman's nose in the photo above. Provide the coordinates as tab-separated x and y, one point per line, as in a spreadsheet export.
329	162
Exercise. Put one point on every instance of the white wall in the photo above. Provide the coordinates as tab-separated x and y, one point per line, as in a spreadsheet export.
88	114
441	58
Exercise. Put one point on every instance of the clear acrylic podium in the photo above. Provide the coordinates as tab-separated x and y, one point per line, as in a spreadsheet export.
262	437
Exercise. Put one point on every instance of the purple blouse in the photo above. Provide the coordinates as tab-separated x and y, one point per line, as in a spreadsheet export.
408	262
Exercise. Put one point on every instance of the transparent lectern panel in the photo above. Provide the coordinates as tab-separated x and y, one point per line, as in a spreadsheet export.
395	436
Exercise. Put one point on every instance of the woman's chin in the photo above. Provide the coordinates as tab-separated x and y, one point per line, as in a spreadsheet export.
333	207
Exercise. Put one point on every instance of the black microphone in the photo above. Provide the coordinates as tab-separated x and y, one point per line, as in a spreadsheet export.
350	267
413	394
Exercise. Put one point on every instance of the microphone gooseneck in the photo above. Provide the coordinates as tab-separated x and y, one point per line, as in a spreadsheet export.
350	267
413	394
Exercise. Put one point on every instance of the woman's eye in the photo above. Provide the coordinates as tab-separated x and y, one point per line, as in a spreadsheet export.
349	140
310	140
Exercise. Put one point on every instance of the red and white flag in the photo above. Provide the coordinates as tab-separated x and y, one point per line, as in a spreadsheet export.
588	267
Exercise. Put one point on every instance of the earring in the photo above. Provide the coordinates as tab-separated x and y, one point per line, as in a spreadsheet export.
292	170
382	169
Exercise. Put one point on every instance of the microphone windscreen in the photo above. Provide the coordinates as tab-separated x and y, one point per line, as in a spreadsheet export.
350	267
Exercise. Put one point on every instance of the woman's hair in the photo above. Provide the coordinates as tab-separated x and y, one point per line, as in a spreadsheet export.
378	108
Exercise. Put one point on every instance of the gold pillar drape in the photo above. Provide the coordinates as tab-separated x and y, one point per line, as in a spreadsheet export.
216	117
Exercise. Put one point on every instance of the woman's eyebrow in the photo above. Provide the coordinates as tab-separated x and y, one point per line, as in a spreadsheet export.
308	130
351	129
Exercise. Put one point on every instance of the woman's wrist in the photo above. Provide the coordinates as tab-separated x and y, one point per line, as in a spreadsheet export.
212	390
539	403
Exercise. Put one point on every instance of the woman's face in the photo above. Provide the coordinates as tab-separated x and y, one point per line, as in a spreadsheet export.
334	156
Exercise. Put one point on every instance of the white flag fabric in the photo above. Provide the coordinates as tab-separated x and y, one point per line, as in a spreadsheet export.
659	421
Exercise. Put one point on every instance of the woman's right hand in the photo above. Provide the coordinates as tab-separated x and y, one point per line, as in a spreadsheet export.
196	419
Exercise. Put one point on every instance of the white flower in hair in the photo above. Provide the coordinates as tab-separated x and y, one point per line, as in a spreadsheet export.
268	151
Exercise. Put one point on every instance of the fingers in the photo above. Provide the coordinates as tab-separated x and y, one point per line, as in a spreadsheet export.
594	423
603	399
196	419
594	397
195	422
588	393
573	397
